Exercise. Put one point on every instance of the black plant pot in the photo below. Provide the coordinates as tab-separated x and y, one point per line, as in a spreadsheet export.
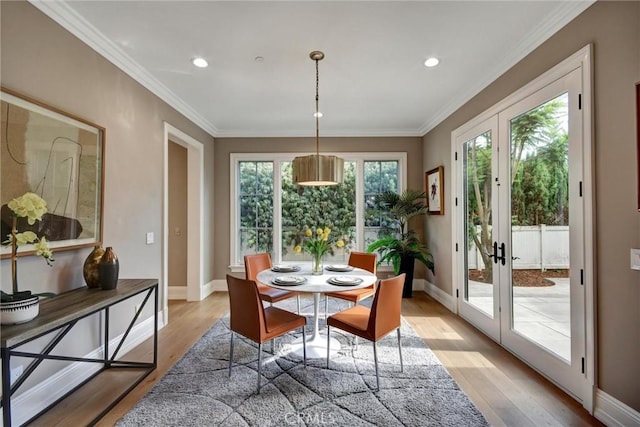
406	266
108	270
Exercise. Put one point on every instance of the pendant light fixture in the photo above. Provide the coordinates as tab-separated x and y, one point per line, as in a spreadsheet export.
316	169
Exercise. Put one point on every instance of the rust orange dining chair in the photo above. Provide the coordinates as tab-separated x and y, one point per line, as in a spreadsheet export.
365	261
252	320
375	323
254	264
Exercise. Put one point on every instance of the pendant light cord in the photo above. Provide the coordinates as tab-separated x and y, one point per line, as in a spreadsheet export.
317	109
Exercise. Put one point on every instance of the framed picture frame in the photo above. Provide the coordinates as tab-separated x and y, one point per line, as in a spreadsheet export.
434	188
638	140
59	157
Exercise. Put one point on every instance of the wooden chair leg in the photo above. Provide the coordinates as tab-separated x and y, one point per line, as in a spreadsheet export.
231	354
400	350
375	359
259	365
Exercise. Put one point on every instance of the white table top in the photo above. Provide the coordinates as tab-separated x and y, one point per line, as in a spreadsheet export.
317	283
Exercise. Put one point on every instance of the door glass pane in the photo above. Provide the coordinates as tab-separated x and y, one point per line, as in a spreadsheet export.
478	286
311	207
540	226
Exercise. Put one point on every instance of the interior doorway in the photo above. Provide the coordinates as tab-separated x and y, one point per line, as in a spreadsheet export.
178	225
194	197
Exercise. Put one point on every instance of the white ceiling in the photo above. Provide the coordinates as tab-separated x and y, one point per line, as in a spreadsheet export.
372	80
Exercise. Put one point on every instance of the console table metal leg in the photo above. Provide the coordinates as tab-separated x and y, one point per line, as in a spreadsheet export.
155	328
6	388
106	338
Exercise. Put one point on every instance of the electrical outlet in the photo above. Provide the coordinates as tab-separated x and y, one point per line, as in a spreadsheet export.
16	372
150	238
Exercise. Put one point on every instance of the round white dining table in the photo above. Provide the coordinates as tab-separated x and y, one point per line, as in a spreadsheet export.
316	284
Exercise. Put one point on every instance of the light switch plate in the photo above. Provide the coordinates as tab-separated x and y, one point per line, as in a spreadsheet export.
635	259
149	237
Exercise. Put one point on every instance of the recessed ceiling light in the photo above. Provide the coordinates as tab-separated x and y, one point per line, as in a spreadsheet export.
200	62
259	59
317	114
431	62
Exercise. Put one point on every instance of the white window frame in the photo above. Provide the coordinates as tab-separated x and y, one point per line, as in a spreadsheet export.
278	159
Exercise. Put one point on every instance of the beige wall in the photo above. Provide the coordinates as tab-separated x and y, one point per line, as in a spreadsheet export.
177	237
614	30
225	146
42	60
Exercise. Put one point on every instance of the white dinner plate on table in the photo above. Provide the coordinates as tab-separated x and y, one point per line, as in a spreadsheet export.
283	268
344	281
288	280
339	267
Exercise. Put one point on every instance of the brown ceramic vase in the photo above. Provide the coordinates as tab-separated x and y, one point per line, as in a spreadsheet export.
90	268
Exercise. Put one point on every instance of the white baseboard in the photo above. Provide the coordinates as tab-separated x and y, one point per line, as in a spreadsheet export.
43	394
612	412
210	287
219	285
177	292
439	295
180	292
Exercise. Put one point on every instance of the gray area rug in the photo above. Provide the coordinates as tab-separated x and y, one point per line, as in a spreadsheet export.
197	391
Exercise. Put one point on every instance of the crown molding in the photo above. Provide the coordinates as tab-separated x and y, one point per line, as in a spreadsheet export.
70	20
561	16
308	133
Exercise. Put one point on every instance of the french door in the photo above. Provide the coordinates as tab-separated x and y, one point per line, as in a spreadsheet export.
520	229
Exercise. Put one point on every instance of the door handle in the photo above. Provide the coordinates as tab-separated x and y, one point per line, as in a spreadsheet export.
502	257
495	256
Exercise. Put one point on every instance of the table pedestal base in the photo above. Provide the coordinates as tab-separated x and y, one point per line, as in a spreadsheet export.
316	347
317	342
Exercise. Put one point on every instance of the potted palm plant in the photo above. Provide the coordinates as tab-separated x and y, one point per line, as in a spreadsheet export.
397	244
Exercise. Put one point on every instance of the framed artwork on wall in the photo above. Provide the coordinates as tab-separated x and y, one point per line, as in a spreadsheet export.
434	187
59	157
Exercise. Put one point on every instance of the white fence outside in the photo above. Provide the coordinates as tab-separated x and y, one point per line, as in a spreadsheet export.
533	247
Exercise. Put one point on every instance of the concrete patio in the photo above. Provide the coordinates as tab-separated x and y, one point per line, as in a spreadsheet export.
542	314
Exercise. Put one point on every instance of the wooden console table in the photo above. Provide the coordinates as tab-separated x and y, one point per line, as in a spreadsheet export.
58	316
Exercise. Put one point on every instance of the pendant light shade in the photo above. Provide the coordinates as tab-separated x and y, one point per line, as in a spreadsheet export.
316	169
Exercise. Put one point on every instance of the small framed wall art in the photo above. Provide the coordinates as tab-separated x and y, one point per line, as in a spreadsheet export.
434	187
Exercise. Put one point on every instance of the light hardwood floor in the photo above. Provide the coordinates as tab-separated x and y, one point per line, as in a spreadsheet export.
505	390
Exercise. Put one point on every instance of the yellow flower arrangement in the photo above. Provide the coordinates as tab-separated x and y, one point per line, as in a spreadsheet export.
317	243
33	207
